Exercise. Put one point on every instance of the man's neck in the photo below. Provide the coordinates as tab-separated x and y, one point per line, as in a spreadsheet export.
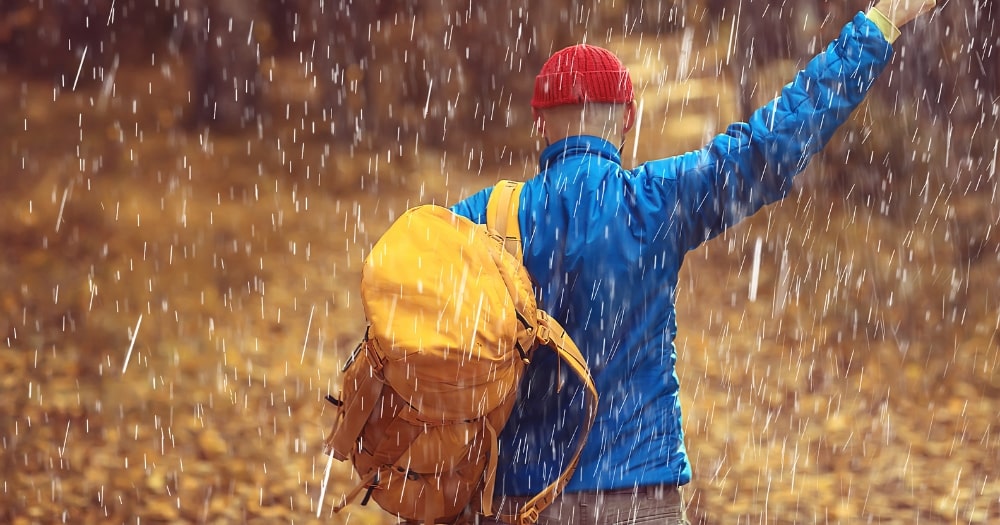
597	120
555	134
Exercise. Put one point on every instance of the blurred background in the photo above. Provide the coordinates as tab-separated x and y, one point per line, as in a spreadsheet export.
191	186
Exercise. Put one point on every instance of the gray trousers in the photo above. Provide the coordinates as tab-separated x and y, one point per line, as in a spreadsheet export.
651	504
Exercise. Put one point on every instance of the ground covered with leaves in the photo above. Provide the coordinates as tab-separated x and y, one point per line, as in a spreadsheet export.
177	304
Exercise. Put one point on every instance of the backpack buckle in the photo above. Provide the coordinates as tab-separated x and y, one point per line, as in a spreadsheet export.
529	515
544	334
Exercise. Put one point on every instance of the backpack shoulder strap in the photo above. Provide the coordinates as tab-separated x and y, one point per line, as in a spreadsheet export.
501	215
502	220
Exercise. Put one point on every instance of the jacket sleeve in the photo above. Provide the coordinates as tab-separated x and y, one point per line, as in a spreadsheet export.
753	163
474	206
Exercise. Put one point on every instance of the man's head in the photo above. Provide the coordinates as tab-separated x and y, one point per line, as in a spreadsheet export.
583	89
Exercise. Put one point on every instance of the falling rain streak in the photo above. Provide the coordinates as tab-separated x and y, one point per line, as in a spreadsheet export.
192	186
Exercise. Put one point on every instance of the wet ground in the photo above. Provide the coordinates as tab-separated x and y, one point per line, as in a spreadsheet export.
177	303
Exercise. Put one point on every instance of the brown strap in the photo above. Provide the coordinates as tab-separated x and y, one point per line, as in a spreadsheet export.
551	333
365	482
501	215
490	476
355	411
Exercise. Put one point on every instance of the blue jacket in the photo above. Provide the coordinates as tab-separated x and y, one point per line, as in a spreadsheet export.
605	245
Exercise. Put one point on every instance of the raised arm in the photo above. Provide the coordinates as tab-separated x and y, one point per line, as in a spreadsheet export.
753	163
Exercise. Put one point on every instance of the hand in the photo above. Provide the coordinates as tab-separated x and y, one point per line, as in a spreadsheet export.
902	12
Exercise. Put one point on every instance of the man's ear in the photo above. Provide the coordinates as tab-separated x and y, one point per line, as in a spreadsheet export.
629	119
539	120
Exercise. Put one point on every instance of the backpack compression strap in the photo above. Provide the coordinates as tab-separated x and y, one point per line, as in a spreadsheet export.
501	215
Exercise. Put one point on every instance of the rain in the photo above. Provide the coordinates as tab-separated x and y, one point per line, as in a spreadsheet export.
192	188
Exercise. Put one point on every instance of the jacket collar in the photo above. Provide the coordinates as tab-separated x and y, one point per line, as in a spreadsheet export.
578	146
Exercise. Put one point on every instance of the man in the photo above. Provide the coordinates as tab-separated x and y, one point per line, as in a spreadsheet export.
605	246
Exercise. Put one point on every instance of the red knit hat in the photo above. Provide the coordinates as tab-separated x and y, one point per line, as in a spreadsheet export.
582	73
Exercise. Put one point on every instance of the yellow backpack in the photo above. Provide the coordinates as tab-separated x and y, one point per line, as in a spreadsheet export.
452	324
